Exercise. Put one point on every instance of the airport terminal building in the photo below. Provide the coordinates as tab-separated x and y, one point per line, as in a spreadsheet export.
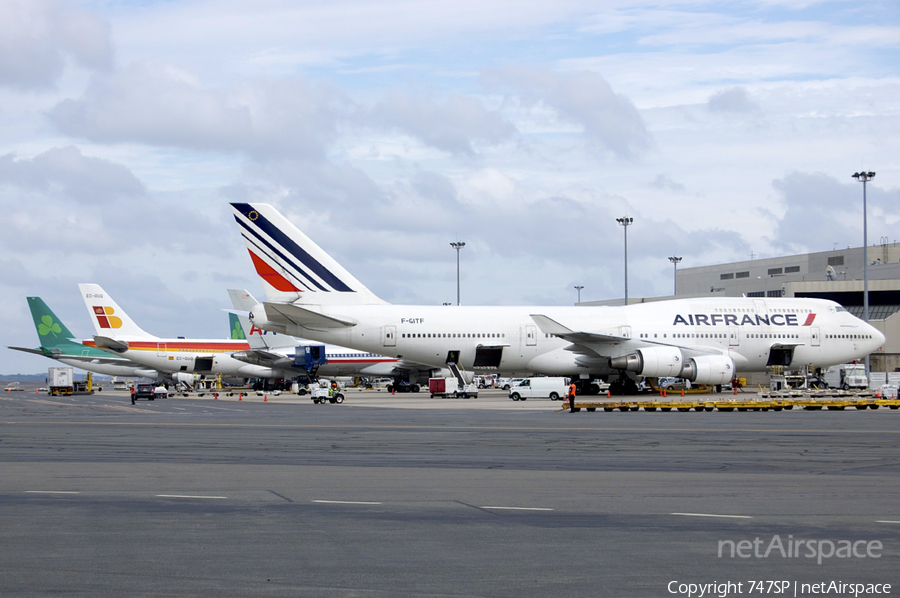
836	275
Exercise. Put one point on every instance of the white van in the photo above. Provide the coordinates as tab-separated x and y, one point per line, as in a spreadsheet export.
540	388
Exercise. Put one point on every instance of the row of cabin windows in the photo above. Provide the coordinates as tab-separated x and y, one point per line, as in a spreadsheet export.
454	335
849	336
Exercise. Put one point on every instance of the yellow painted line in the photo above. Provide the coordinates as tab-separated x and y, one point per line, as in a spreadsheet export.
186	496
519	508
346	502
712	515
439	427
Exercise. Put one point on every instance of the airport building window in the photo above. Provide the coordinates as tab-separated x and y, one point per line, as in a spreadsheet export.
756	294
773	294
791	269
774	271
837	260
742	274
728	276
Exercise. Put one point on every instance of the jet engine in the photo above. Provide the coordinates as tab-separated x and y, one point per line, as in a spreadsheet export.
670	361
653	362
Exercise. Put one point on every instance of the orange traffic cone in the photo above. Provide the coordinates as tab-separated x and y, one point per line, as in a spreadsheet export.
265	398
607	393
682	392
665	393
216	396
240	396
735	390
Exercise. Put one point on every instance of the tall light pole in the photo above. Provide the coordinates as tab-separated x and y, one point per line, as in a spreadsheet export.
625	221
675	261
865	177
457	246
578	288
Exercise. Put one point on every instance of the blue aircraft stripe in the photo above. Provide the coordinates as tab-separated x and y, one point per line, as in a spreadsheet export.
262	250
298	252
279	256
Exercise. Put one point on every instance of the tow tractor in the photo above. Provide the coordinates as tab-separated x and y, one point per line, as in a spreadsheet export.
324	394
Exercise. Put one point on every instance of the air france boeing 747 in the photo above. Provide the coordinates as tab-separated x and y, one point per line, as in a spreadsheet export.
706	340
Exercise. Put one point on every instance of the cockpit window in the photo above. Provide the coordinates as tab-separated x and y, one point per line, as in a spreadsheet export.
839	309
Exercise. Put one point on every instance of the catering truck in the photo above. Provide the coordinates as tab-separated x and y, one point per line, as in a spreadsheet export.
847	376
60	381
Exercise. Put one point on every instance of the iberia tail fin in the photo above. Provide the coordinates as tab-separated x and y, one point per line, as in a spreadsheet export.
292	267
109	319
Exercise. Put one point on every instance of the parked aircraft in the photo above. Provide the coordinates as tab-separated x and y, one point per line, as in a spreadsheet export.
56	344
118	334
304	357
706	340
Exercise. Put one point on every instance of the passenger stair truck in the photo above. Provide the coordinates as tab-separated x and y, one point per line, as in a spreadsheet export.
457	386
61	381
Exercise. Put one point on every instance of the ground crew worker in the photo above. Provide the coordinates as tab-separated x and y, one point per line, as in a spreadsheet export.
132	394
572	397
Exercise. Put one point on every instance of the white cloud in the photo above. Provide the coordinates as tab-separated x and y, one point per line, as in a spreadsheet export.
733	99
584	98
38	36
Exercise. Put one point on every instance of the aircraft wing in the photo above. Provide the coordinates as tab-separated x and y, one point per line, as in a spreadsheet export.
551	326
303	317
592	345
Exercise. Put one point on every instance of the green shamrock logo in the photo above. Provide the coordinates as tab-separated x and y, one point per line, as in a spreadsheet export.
237	332
47	326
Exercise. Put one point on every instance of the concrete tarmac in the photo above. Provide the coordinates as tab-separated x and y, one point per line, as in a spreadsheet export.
412	496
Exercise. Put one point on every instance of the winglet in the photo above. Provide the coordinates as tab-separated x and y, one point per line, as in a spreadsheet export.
550	326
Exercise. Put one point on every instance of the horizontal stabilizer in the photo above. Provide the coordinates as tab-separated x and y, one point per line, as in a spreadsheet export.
104	342
35	351
304	317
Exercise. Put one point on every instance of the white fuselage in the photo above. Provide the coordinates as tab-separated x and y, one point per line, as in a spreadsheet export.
818	332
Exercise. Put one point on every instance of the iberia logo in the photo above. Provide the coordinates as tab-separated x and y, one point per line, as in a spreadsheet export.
105	317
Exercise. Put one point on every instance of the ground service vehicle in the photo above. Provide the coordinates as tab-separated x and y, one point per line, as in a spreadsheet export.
540	388
847	376
323	394
507	383
61	381
447	387
144	390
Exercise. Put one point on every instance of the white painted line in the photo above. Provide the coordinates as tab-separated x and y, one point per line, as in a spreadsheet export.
346	502
186	496
520	508
180	408
51	492
710	515
887	522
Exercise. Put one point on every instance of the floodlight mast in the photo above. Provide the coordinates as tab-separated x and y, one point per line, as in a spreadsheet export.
626	221
865	177
457	246
675	261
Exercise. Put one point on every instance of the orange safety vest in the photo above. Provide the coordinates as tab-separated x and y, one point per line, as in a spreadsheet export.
571	390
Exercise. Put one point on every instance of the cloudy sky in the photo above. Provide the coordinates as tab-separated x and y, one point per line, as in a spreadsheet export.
385	130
